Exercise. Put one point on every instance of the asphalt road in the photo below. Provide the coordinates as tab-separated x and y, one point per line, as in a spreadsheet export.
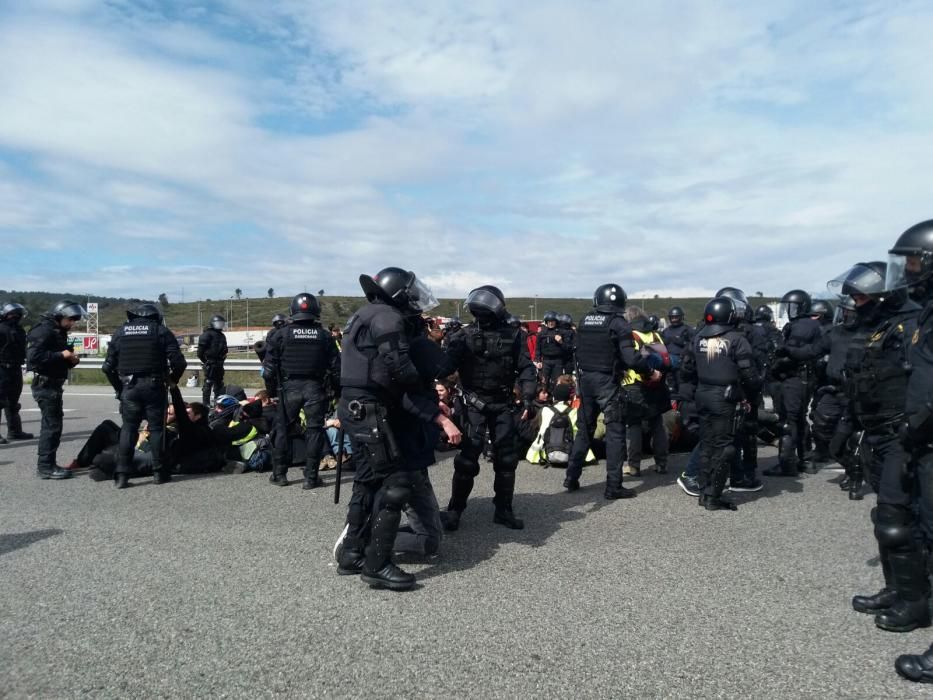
225	586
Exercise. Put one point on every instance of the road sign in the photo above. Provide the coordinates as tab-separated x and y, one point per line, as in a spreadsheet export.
90	343
92	307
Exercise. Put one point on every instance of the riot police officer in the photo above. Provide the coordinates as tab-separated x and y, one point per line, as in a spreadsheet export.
142	354
568	339
12	357
549	350
212	351
793	368
49	357
451	329
490	356
302	365
721	363
381	408
677	337
877	369
767	335
604	351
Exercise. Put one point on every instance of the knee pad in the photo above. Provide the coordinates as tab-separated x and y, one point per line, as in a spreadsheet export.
506	457
728	455
787	448
892	527
466	466
396	497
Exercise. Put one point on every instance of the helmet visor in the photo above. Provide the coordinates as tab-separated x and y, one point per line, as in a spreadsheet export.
483	302
15	309
790	309
903	271
420	296
75	311
859	279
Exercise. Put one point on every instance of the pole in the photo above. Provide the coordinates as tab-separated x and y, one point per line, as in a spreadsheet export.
247	317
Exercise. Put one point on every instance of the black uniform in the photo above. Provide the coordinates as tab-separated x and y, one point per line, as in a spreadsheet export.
303	358
794	369
604	351
12	357
746	440
141	355
677	339
551	353
47	340
722	364
383	408
830	402
568	342
490	356
212	351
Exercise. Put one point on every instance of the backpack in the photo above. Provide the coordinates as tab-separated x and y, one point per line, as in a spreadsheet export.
558	437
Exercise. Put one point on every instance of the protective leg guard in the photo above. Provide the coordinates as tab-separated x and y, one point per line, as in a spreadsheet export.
787	457
886	597
311	475
279	469
460	488
504	487
378	569
908	571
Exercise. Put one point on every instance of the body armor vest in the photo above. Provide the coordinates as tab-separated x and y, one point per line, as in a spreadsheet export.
714	359
675	338
304	351
877	371
360	364
13	351
140	350
548	348
596	347
489	365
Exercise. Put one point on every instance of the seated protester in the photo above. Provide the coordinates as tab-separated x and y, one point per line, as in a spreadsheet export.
190	445
452	404
332	430
104	464
104	437
556	431
232	426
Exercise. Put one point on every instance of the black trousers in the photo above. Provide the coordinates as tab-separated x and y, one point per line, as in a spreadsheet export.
499	420
794	402
551	369
11	388
105	435
213	381
298	394
49	398
143	398
717	438
599	393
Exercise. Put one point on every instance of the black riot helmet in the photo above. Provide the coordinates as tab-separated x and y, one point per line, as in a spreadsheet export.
823	310
654	323
845	314
217	322
13	310
399	288
514	321
911	259
719	316
742	308
564	320
764	313
454	324
67	309
675	316
147	311
304	307
549	316
486	302
609	298
795	304
279	320
867	279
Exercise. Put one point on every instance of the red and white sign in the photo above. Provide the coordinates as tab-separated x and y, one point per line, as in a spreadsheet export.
90	343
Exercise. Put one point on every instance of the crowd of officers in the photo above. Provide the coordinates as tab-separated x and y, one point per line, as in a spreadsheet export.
857	382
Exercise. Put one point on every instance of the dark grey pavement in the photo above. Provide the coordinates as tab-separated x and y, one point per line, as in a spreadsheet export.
225	586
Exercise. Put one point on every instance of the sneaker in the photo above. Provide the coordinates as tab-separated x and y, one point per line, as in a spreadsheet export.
338	545
328	462
629	470
689	485
746	485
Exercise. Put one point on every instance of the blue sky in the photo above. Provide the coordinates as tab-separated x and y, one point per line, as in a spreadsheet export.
673	147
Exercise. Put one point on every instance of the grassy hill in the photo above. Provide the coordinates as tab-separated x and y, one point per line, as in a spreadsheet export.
184	317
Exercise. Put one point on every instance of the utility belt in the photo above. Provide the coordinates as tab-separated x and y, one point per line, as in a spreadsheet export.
482	404
887	428
129	380
371	430
40	381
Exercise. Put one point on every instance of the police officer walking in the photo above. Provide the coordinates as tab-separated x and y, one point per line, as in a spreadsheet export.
302	364
568	340
382	404
490	355
49	357
12	357
604	351
212	351
549	350
142	354
723	366
793	368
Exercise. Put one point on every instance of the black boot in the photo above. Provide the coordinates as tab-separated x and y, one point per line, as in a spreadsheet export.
571	484
782	469
451	519
916	668
716	503
883	599
278	477
613	493
311	478
55	472
122	480
905	616
378	570
912	607
20	436
505	516
350	556
389	576
160	477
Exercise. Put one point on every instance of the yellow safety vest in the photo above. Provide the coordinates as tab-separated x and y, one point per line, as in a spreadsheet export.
640	340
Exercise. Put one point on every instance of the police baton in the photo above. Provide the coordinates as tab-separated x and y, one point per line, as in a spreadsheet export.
339	471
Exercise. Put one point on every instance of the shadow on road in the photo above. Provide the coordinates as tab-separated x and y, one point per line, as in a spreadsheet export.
18	540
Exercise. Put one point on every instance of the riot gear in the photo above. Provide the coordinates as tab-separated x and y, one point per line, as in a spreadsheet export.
911	259
148	311
654	323
67	309
217	322
742	308
795	304
564	321
862	278
12	356
279	320
13	309
399	288
304	307
823	309
764	313
675	315
212	351
719	315
549	316
609	298
486	302
514	321
845	313
454	324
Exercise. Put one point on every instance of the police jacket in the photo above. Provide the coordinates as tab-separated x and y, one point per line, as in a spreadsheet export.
677	338
548	347
375	358
878	365
142	347
801	341
46	343
568	340
919	400
212	346
604	344
12	344
302	350
721	356
490	357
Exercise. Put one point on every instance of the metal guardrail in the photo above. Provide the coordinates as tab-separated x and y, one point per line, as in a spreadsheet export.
193	364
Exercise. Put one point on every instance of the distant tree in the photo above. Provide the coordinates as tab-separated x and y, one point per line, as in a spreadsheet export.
271	292
320	292
657	296
759	294
238	292
163	300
